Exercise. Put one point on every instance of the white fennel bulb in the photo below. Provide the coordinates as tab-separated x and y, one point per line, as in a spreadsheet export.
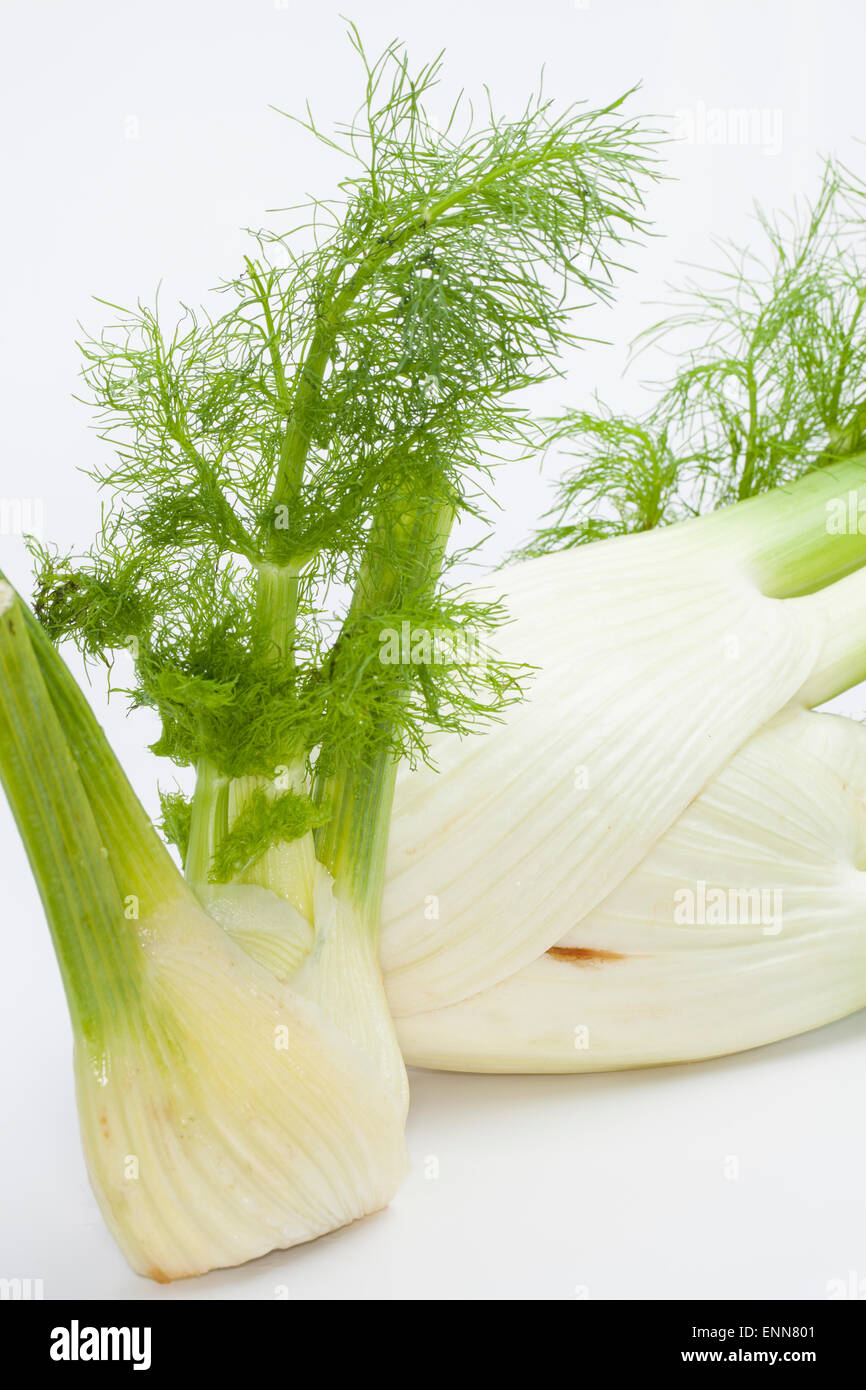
223	1113
658	657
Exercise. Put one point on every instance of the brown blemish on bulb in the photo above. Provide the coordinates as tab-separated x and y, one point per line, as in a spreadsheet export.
583	955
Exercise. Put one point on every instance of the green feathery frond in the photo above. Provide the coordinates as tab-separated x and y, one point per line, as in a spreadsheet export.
175	821
264	821
770	349
287	464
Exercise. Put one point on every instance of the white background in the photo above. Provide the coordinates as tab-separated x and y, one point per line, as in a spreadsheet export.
137	140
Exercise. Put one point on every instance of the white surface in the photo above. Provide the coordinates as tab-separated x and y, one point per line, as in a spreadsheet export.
137	141
597	1187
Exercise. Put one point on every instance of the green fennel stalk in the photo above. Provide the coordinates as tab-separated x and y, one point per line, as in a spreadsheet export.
288	469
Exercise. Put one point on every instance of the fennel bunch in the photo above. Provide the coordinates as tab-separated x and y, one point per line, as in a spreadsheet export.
287	469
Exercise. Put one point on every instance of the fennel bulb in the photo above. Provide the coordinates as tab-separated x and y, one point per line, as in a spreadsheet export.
222	1114
287	469
659	656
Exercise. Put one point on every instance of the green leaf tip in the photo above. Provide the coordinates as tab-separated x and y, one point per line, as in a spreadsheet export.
175	823
263	822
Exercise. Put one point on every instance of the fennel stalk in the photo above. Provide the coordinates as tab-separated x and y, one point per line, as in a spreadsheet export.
288	466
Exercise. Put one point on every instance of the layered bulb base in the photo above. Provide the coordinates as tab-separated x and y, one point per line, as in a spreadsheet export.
230	1117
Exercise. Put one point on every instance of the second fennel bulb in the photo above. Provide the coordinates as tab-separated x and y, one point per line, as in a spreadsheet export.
523	899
